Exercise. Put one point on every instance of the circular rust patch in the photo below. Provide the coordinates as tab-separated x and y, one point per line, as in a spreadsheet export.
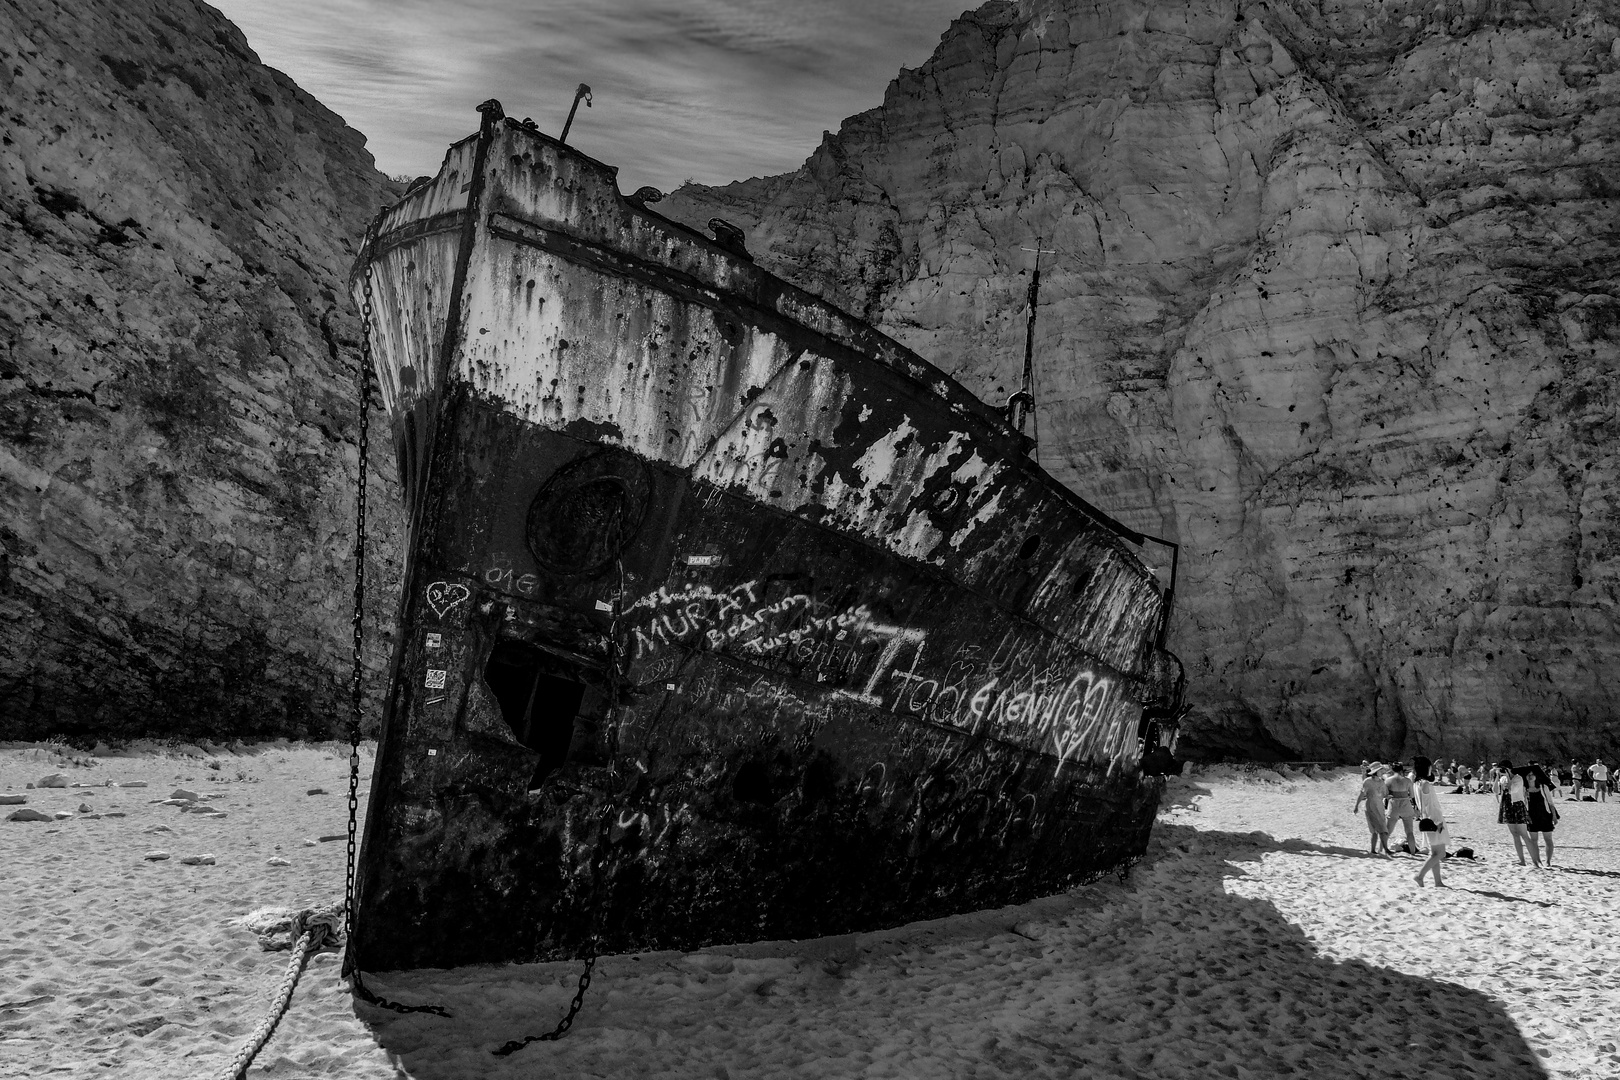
588	512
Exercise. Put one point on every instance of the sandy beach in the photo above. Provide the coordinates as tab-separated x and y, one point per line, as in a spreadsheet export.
1256	939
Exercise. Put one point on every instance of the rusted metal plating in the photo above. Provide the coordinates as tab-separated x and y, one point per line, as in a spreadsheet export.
726	616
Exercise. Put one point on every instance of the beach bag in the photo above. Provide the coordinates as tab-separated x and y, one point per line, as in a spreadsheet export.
1428	825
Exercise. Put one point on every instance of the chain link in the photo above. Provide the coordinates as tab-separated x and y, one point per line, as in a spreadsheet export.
566	1022
356	685
616	676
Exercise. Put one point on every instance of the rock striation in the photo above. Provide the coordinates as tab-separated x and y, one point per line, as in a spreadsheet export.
177	360
1332	303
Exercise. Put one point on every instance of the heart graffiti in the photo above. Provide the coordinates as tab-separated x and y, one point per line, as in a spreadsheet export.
444	595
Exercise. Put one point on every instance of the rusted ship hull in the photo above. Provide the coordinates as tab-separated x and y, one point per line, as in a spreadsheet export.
726	618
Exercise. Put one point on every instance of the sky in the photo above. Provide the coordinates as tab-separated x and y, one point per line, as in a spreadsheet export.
711	90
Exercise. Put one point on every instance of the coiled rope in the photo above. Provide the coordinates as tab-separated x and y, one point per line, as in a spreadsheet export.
312	929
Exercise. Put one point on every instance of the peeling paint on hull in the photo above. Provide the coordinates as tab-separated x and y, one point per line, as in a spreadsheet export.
726	617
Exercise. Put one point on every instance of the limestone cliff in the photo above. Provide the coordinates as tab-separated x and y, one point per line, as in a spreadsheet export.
177	358
1334	304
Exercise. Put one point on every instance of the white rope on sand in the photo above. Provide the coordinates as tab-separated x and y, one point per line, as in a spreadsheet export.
312	929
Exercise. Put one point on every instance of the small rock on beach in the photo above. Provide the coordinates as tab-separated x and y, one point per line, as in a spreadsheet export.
9	800
27	814
156	856
53	780
198	860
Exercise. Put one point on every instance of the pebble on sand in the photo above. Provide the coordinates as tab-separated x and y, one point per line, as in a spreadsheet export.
8	800
316	791
157	828
183	793
85	808
197	860
28	814
133	783
156	856
63	815
56	779
277	860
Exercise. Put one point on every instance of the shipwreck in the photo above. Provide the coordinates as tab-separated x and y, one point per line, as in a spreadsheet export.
726	617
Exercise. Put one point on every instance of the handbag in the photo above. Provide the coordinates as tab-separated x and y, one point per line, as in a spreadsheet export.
1428	825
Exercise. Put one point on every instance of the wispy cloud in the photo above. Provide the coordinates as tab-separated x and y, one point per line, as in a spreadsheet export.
716	90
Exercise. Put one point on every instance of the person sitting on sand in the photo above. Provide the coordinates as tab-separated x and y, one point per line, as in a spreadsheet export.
1400	806
1600	780
1513	811
1540	794
1373	791
1433	821
1468	779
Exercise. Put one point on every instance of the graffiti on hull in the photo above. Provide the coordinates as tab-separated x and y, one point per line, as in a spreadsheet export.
1024	690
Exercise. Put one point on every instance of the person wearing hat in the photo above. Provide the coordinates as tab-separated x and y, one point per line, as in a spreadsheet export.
1374	792
1600	780
1400	805
1432	822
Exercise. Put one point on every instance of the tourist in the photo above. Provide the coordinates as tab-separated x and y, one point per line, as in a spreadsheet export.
1600	780
1539	795
1467	779
1433	821
1400	807
1373	792
1512	810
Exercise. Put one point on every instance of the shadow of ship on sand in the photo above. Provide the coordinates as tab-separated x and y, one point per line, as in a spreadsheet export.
1167	976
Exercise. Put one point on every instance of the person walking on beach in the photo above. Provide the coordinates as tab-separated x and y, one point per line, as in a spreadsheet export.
1539	796
1432	822
1400	805
1373	792
1600	780
1513	811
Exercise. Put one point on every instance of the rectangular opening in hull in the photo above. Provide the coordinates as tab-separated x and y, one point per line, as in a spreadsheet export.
538	702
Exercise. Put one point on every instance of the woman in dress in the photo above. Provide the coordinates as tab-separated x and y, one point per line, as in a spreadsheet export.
1513	811
1432	821
1373	792
1539	796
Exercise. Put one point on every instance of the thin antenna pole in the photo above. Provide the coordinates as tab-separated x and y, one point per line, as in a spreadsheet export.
1022	406
583	91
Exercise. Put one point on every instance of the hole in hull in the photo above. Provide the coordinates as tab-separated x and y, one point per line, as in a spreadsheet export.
538	700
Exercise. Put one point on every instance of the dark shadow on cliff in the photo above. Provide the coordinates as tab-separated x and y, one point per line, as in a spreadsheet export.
1169	975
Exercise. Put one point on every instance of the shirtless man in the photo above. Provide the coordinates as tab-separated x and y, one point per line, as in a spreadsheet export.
1401	806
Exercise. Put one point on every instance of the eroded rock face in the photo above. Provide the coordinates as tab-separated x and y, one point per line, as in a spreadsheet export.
1333	305
178	414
